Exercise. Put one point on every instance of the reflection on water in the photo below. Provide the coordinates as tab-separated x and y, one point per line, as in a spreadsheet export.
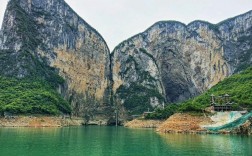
112	141
208	144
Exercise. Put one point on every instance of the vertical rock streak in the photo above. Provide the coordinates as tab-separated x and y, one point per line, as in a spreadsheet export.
184	60
65	42
169	62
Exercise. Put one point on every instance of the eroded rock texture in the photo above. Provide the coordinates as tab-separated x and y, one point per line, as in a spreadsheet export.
169	62
44	38
180	61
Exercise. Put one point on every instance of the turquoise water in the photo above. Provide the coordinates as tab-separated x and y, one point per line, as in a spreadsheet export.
112	141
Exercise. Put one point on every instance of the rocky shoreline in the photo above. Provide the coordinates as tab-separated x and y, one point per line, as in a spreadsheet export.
178	123
184	123
141	123
189	124
40	121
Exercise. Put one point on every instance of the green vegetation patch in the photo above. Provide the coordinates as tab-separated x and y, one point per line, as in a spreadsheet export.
163	113
26	62
36	92
137	97
28	96
238	86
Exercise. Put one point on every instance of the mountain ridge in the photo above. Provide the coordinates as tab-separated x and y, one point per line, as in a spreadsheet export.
186	25
168	62
197	55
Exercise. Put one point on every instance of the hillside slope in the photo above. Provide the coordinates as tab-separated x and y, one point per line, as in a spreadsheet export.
238	86
29	97
47	41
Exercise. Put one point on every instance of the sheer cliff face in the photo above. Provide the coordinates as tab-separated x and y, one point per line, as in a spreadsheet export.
183	60
36	34
169	62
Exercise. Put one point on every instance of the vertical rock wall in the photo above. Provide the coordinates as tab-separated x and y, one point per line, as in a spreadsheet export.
183	60
51	34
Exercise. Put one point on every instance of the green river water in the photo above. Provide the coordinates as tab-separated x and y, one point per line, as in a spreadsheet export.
116	141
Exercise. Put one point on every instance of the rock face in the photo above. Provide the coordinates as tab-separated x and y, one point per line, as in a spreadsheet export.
169	62
180	61
47	38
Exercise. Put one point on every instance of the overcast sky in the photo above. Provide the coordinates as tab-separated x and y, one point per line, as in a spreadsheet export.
117	20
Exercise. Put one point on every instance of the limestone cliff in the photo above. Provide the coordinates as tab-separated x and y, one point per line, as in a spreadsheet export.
169	62
44	39
180	61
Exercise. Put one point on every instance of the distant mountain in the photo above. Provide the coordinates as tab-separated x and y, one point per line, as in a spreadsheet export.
176	62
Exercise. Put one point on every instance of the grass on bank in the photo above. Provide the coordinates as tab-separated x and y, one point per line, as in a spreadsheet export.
238	86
